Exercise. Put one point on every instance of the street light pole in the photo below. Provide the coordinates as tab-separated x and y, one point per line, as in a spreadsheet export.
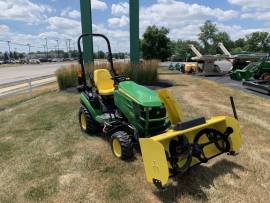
46	40
69	47
29	46
44	46
8	49
57	48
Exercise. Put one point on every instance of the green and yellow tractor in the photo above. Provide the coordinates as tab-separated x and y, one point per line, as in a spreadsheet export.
258	70
137	119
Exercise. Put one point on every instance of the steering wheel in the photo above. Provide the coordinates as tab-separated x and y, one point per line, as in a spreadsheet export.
119	78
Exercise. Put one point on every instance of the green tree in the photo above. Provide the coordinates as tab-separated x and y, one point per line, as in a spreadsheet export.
101	54
258	42
241	42
156	44
207	35
223	37
6	56
182	51
21	55
15	55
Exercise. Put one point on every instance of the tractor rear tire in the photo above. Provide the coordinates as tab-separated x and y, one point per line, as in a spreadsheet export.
87	122
121	144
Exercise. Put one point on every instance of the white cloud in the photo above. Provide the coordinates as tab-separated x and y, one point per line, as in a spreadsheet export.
237	31
23	10
68	12
181	18
256	15
118	22
3	29
74	14
173	13
251	3
97	4
120	8
64	25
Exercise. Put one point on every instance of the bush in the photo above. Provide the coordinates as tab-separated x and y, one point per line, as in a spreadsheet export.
144	73
67	77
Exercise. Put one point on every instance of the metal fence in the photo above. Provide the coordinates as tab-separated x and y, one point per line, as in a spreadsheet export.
25	85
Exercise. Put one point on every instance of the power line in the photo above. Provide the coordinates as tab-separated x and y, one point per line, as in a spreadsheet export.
29	46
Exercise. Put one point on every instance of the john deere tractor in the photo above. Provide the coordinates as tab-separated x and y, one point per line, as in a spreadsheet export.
257	70
137	119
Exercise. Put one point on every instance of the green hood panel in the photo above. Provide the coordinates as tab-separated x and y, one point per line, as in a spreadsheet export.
140	94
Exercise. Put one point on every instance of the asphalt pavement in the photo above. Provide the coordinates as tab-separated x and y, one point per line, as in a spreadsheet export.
227	81
16	73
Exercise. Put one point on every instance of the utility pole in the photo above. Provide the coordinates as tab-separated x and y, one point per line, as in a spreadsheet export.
97	51
68	40
74	45
57	48
44	46
8	50
29	46
67	45
46	40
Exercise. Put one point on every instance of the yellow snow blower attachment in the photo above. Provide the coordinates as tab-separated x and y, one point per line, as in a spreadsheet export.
188	143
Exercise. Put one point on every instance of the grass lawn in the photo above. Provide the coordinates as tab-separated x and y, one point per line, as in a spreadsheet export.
45	157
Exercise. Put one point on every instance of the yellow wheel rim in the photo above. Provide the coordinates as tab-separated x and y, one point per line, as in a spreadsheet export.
83	121
117	148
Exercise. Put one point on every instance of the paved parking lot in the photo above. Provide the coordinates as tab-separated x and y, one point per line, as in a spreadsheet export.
226	80
16	73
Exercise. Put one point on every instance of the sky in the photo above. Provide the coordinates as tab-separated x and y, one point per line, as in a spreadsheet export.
31	21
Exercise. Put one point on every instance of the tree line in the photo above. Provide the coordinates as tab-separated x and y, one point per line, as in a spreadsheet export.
156	44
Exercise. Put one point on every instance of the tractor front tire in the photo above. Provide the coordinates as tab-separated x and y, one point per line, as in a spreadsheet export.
87	122
121	144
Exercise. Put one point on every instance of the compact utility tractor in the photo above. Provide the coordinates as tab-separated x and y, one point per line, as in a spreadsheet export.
137	119
257	70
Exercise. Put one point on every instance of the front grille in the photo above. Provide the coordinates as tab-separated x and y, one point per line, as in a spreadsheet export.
155	112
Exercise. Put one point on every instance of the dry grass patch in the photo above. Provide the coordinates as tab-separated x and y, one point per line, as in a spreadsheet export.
44	156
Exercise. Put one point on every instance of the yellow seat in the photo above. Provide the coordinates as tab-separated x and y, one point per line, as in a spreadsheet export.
104	82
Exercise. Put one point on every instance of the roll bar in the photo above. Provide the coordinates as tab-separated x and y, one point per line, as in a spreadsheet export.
110	58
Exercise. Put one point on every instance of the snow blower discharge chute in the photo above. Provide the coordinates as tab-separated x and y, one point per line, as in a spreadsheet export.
136	118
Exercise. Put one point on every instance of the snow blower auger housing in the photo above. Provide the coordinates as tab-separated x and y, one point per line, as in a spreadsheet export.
133	117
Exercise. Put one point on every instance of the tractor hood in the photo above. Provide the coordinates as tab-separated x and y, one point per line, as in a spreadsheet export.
140	94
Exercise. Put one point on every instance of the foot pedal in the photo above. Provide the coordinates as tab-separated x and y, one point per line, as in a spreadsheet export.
189	124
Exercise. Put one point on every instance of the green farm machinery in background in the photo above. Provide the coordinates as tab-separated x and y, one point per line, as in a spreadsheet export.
257	70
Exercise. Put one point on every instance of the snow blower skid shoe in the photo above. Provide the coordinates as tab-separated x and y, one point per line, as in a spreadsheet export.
187	144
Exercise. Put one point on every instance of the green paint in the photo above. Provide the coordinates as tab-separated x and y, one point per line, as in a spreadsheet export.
142	95
140	106
134	31
256	70
86	20
88	105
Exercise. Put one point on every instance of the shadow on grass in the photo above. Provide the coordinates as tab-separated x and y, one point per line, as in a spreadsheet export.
196	180
106	139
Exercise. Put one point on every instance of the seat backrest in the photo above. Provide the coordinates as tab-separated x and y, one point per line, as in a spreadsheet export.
103	80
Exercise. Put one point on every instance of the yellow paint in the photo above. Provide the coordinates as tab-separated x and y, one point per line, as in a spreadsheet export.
117	148
189	67
83	121
172	107
154	159
104	82
153	148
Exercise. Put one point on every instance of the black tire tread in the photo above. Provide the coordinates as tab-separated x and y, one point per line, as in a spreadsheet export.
91	124
126	144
